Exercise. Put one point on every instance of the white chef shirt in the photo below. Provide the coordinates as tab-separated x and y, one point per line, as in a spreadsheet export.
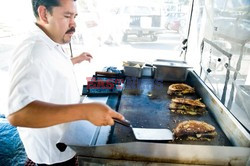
41	71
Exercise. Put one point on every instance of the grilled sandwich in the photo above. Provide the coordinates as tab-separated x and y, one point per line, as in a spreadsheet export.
187	106
194	130
179	89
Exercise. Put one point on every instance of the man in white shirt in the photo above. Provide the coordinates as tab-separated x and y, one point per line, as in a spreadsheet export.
43	98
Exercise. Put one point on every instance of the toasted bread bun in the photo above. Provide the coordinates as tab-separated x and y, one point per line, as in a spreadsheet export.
187	106
191	102
194	130
180	89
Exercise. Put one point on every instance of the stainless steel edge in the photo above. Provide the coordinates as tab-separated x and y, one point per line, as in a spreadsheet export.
168	153
235	132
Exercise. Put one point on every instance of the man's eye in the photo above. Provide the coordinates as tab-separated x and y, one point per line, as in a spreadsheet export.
66	16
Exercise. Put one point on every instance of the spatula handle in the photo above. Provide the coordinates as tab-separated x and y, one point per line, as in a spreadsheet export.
123	122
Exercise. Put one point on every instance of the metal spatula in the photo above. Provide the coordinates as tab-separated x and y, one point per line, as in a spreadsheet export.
147	133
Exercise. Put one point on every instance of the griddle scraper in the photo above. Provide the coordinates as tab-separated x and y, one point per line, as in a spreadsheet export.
148	133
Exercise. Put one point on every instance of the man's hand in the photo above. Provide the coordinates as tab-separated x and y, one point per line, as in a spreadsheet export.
82	57
102	115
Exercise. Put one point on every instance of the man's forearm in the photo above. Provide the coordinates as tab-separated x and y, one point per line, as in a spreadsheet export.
40	114
75	60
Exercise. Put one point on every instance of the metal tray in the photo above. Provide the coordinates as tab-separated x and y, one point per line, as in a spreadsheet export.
133	68
170	70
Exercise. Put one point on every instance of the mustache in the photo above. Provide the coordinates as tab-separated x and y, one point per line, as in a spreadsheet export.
71	30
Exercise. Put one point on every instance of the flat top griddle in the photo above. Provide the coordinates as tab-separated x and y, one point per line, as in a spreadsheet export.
144	102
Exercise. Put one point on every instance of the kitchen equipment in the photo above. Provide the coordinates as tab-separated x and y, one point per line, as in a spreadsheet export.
110	74
148	70
167	70
147	133
103	84
133	68
118	146
150	109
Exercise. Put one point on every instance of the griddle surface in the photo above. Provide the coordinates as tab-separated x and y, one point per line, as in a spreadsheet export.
144	102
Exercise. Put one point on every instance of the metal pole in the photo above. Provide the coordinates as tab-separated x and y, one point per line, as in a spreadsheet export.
189	27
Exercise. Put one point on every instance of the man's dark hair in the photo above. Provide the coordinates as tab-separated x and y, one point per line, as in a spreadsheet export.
49	4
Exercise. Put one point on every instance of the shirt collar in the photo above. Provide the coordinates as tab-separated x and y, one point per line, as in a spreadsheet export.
51	44
45	37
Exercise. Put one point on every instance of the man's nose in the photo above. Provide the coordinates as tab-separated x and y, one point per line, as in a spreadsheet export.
72	22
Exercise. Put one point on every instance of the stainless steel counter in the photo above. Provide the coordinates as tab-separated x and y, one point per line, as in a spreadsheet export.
146	107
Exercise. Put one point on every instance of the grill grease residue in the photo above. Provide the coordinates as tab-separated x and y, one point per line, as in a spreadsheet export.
147	107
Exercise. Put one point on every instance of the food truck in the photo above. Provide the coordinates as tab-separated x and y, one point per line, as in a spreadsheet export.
133	72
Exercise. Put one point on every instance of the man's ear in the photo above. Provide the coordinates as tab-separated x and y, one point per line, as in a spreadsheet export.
42	13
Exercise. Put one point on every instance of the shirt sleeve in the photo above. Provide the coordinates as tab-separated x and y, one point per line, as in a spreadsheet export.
31	77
